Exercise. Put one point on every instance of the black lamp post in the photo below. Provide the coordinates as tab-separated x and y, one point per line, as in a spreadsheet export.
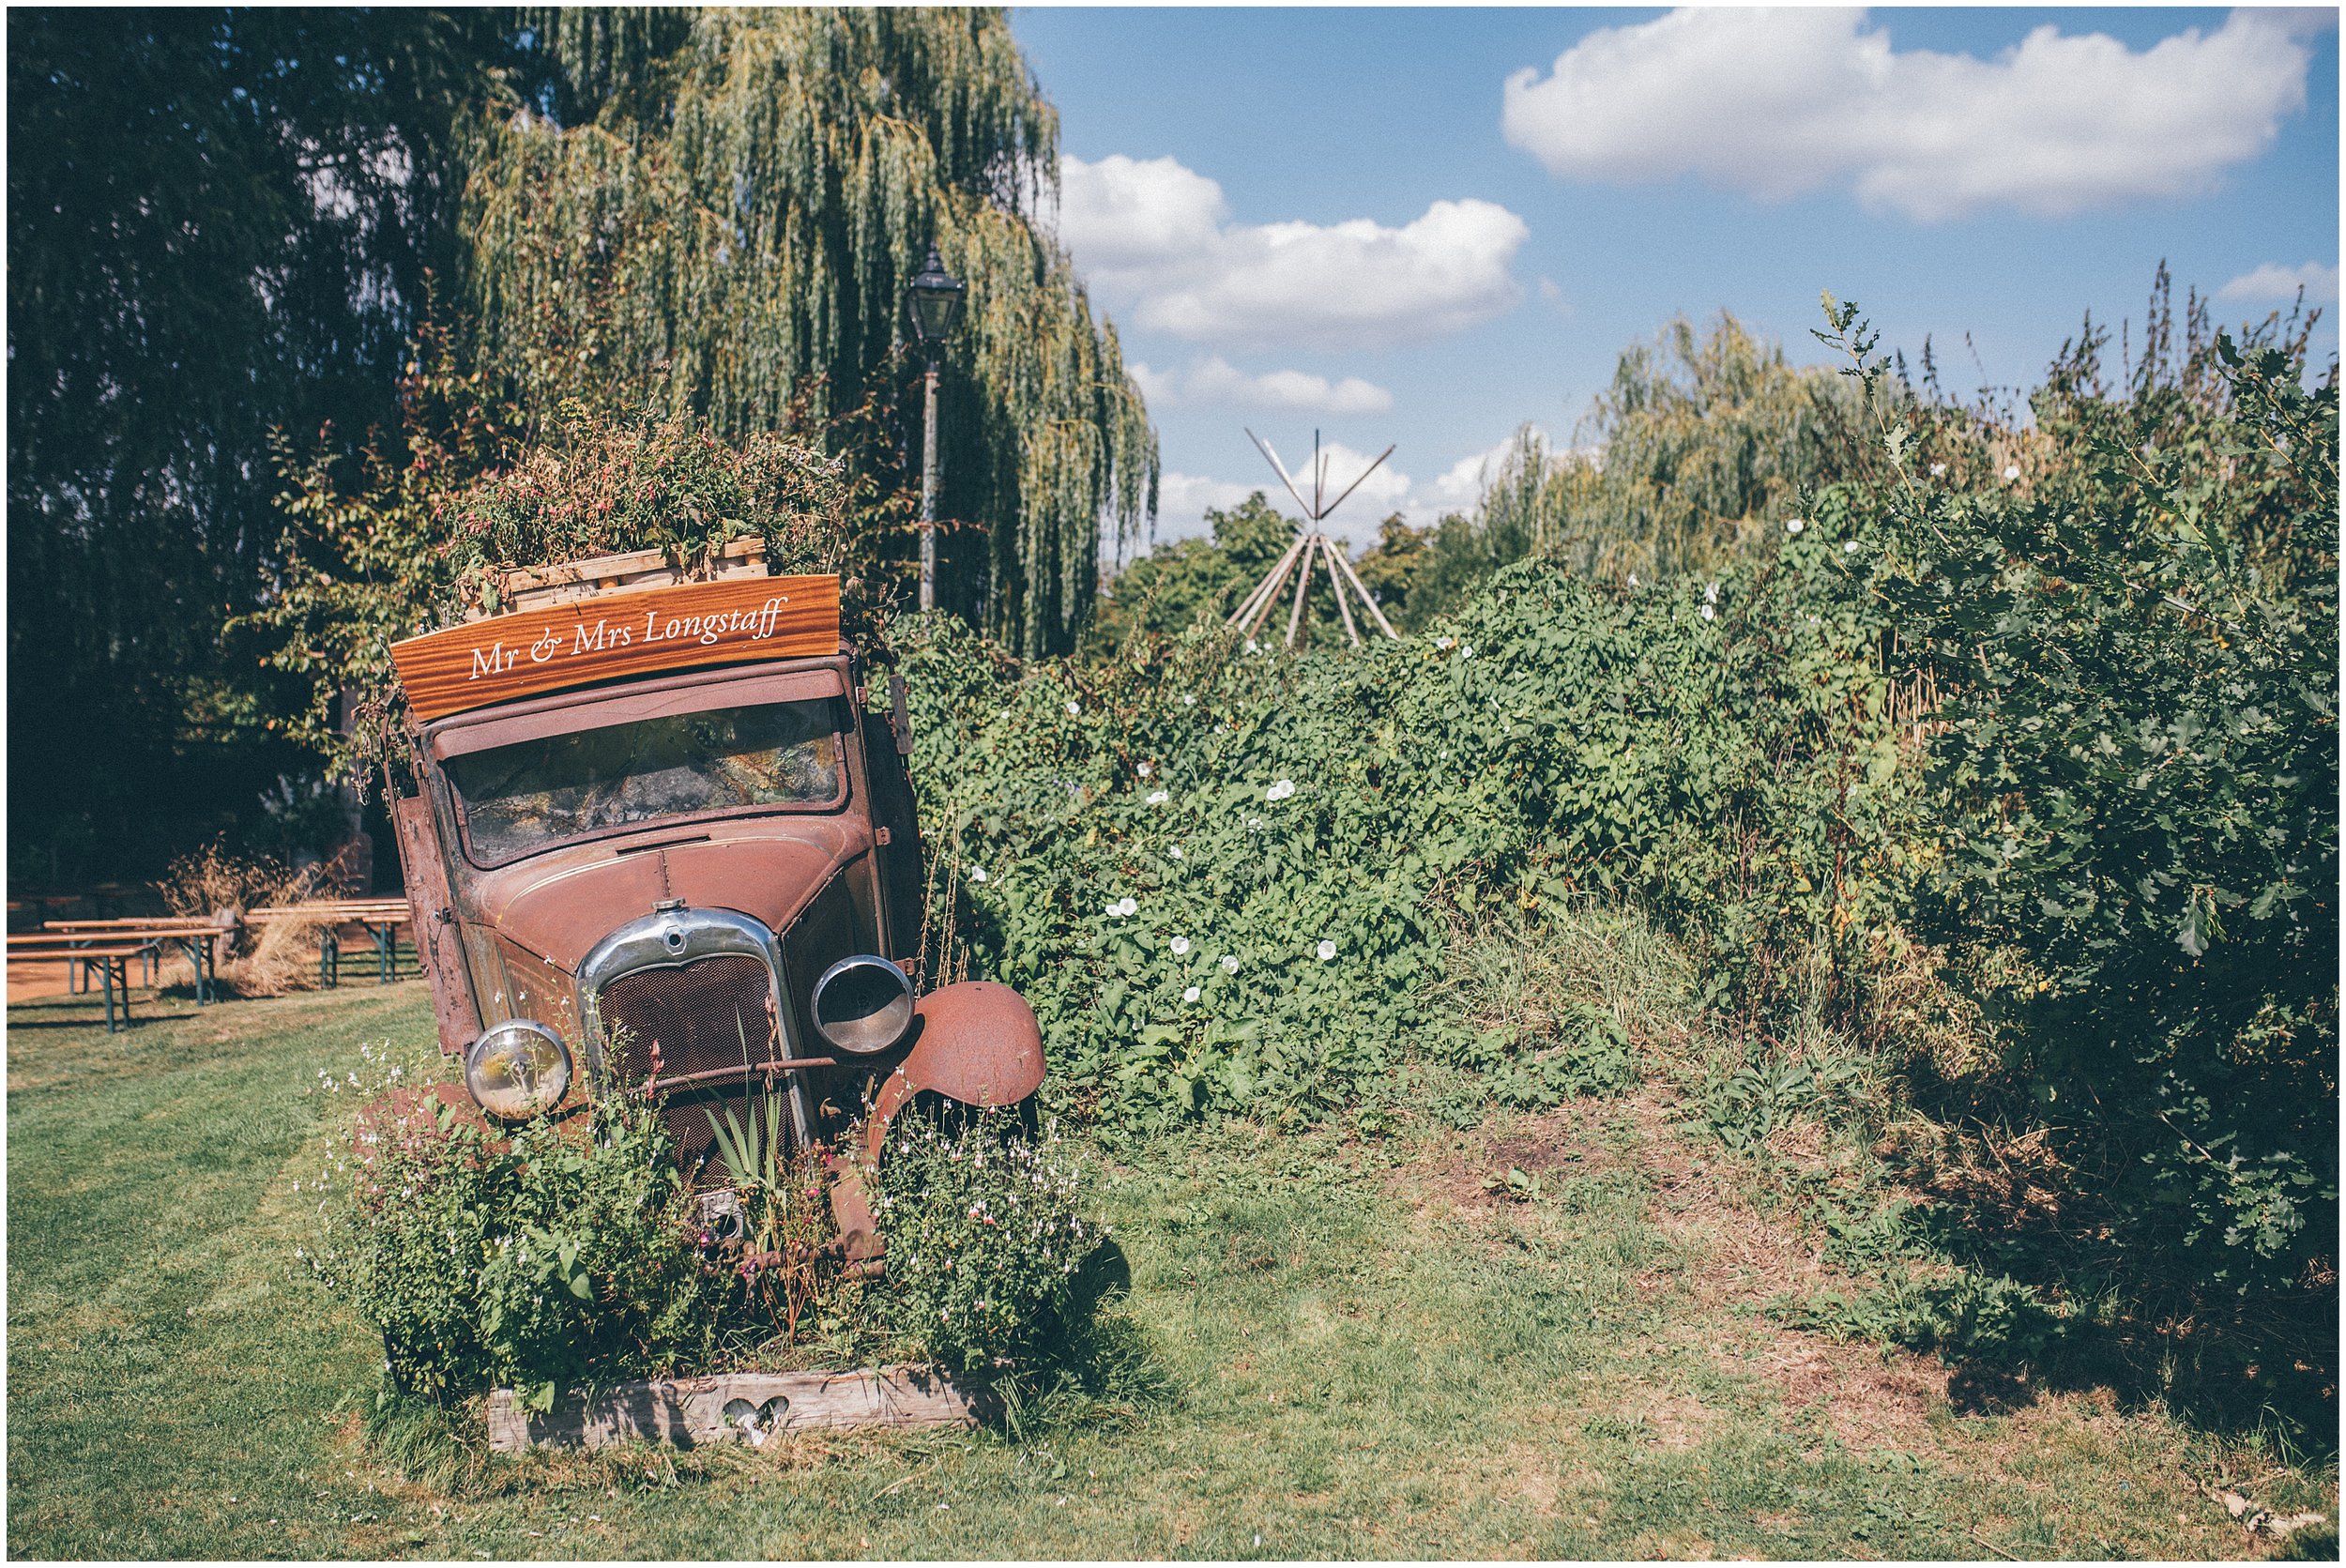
933	299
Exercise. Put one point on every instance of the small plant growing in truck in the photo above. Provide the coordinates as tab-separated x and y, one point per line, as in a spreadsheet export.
985	1236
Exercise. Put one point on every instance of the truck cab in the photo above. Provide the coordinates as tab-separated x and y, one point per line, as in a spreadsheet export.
662	840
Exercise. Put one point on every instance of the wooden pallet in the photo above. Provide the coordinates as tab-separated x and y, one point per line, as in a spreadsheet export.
567	582
738	1408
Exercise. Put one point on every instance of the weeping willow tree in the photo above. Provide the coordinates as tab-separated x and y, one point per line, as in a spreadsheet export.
718	211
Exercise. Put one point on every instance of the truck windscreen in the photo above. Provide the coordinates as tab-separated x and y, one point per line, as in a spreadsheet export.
524	796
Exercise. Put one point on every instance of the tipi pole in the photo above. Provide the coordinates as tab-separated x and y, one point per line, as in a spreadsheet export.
1302	587
1327	548
1385	625
1267	585
1270	602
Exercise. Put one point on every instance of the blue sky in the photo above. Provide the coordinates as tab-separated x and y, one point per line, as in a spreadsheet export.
1348	219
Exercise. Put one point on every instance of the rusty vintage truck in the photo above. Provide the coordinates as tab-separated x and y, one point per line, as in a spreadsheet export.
659	836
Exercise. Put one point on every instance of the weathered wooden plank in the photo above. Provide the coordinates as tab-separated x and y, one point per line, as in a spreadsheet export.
739	1407
686	627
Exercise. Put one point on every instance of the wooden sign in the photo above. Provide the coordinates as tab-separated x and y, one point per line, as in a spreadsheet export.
731	621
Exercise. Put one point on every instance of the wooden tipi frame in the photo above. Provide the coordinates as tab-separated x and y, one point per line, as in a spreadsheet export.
1310	540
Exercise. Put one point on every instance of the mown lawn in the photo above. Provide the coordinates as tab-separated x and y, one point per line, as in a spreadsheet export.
1342	1350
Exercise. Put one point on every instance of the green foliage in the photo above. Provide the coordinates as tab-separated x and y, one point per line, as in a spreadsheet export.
1224	879
1167	590
2135	645
535	1260
736	199
984	1237
413	540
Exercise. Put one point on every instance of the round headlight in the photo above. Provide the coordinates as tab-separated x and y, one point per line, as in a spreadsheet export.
862	1004
518	1070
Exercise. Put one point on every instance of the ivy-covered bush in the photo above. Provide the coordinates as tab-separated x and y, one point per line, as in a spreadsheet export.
1225	876
984	1237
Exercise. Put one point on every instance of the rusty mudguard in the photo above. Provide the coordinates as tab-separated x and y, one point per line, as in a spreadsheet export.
976	1043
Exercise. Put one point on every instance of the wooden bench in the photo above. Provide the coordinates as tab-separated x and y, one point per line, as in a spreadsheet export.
196	936
380	918
113	959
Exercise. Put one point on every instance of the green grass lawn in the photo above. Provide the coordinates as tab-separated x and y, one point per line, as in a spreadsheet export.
1342	1350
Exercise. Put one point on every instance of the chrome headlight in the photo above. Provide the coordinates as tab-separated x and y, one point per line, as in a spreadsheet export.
862	1004
517	1070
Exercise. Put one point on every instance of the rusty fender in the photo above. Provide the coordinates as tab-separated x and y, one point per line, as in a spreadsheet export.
977	1042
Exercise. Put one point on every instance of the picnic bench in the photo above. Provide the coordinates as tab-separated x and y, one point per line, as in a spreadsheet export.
380	918
108	946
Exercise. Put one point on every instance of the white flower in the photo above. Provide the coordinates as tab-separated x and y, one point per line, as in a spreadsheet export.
2012	471
1127	906
1711	594
1849	548
1709	614
1218	729
1327	950
1189	699
1445	643
1280	790
1466	650
1158	797
1937	469
1192	994
1003	714
977	873
1633	579
1074	707
1144	769
1793	525
1253	646
1229	962
1175	851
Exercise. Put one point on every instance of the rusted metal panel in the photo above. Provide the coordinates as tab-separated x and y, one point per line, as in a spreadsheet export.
736	1408
433	914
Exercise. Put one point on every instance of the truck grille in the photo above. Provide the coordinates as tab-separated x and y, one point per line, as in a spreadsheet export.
706	1017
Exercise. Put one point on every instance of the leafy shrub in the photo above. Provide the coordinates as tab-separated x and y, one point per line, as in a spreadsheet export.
984	1239
537	1259
1226	878
2135	645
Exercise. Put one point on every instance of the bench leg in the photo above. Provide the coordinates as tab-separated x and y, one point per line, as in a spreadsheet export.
330	961
108	964
386	951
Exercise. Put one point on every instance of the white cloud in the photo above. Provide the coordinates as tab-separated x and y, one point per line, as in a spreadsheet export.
1182	500
2275	285
1156	236
1778	102
1216	380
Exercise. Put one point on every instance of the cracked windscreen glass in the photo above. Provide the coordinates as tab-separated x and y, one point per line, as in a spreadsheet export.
524	796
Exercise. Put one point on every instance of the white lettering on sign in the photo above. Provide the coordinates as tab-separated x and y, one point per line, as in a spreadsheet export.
706	629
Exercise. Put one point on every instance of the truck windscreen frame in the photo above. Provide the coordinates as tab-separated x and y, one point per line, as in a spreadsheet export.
642	770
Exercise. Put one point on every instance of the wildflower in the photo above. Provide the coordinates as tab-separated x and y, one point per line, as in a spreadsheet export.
1711	594
1849	548
1937	469
1189	699
1445	643
1144	769
1158	797
1466	650
1074	707
1175	851
977	873
1709	613
1220	729
1229	962
1127	905
1280	790
1253	646
2012	471
1327	950
1793	525
1633	579
1180	946
1192	994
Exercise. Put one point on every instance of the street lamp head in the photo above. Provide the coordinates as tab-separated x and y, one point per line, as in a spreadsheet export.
934	301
